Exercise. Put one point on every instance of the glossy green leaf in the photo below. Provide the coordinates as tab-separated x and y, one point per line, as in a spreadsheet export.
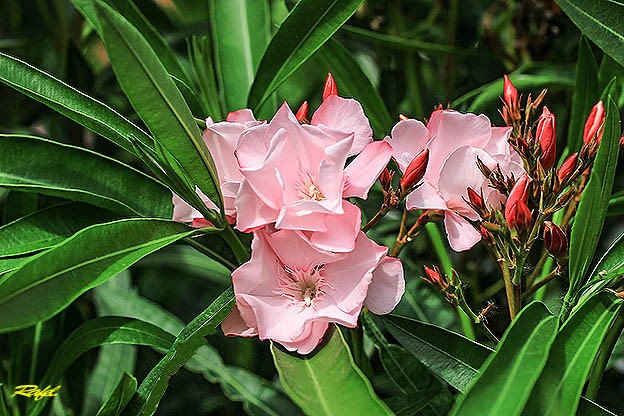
601	21
10	264
81	108
607	271
38	165
202	64
616	204
558	390
585	94
415	404
308	26
52	279
49	226
590	408
95	333
186	344
259	397
450	356
158	102
241	30
120	397
327	382
507	377
353	82
592	209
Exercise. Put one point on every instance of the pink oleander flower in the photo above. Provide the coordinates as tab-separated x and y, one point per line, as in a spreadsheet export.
221	139
295	176
289	292
455	141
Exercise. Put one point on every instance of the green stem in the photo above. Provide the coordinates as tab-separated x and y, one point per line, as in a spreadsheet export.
447	266
35	353
238	248
210	253
477	321
603	358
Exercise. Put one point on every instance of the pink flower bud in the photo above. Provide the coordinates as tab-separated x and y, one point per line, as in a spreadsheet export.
517	212
302	113
555	240
547	137
510	93
434	277
594	125
415	170
567	167
330	87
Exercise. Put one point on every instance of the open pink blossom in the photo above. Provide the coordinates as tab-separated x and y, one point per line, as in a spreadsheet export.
295	176
455	141
289	292
221	139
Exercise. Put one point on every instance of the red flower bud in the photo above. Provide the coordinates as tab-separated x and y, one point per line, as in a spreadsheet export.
302	113
567	168
475	199
415	170
547	137
594	125
510	93
433	276
330	87
385	178
517	212
555	240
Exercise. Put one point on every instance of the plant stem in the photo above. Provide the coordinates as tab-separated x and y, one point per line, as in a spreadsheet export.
511	290
478	321
35	353
378	216
210	253
541	283
538	269
603	357
238	248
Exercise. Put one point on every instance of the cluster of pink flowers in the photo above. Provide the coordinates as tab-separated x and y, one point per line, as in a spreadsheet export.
287	182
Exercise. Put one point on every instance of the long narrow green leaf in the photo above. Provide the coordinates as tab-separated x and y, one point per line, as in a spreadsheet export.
452	357
558	390
592	209
241	30
53	279
188	341
95	333
157	101
607	271
601	21
49	226
202	63
38	165
87	111
308	26
120	397
507	377
353	82
10	264
259	397
585	94
328	382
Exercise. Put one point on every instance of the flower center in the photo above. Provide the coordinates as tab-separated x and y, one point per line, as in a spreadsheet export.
302	287
308	188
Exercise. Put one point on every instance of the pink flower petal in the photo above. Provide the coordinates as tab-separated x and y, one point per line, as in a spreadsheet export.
425	197
234	325
461	234
251	212
241	116
364	170
408	138
387	286
341	230
311	337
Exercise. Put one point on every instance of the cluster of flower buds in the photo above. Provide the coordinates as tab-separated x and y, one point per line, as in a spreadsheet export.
450	286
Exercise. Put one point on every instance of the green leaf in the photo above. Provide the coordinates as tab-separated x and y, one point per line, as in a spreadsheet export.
79	174
585	94
186	344
11	264
507	377
158	102
200	54
592	209
259	397
590	408
558	389
327	382
87	111
306	28
95	333
353	82
601	21
120	397
52	279
616	204
241	30
608	270
450	356
49	226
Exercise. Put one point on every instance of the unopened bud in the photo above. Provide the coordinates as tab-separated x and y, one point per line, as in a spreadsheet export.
510	93
547	138
434	277
330	87
302	113
517	212
567	168
594	125
555	240
486	235
476	200
415	171
386	179
403	117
